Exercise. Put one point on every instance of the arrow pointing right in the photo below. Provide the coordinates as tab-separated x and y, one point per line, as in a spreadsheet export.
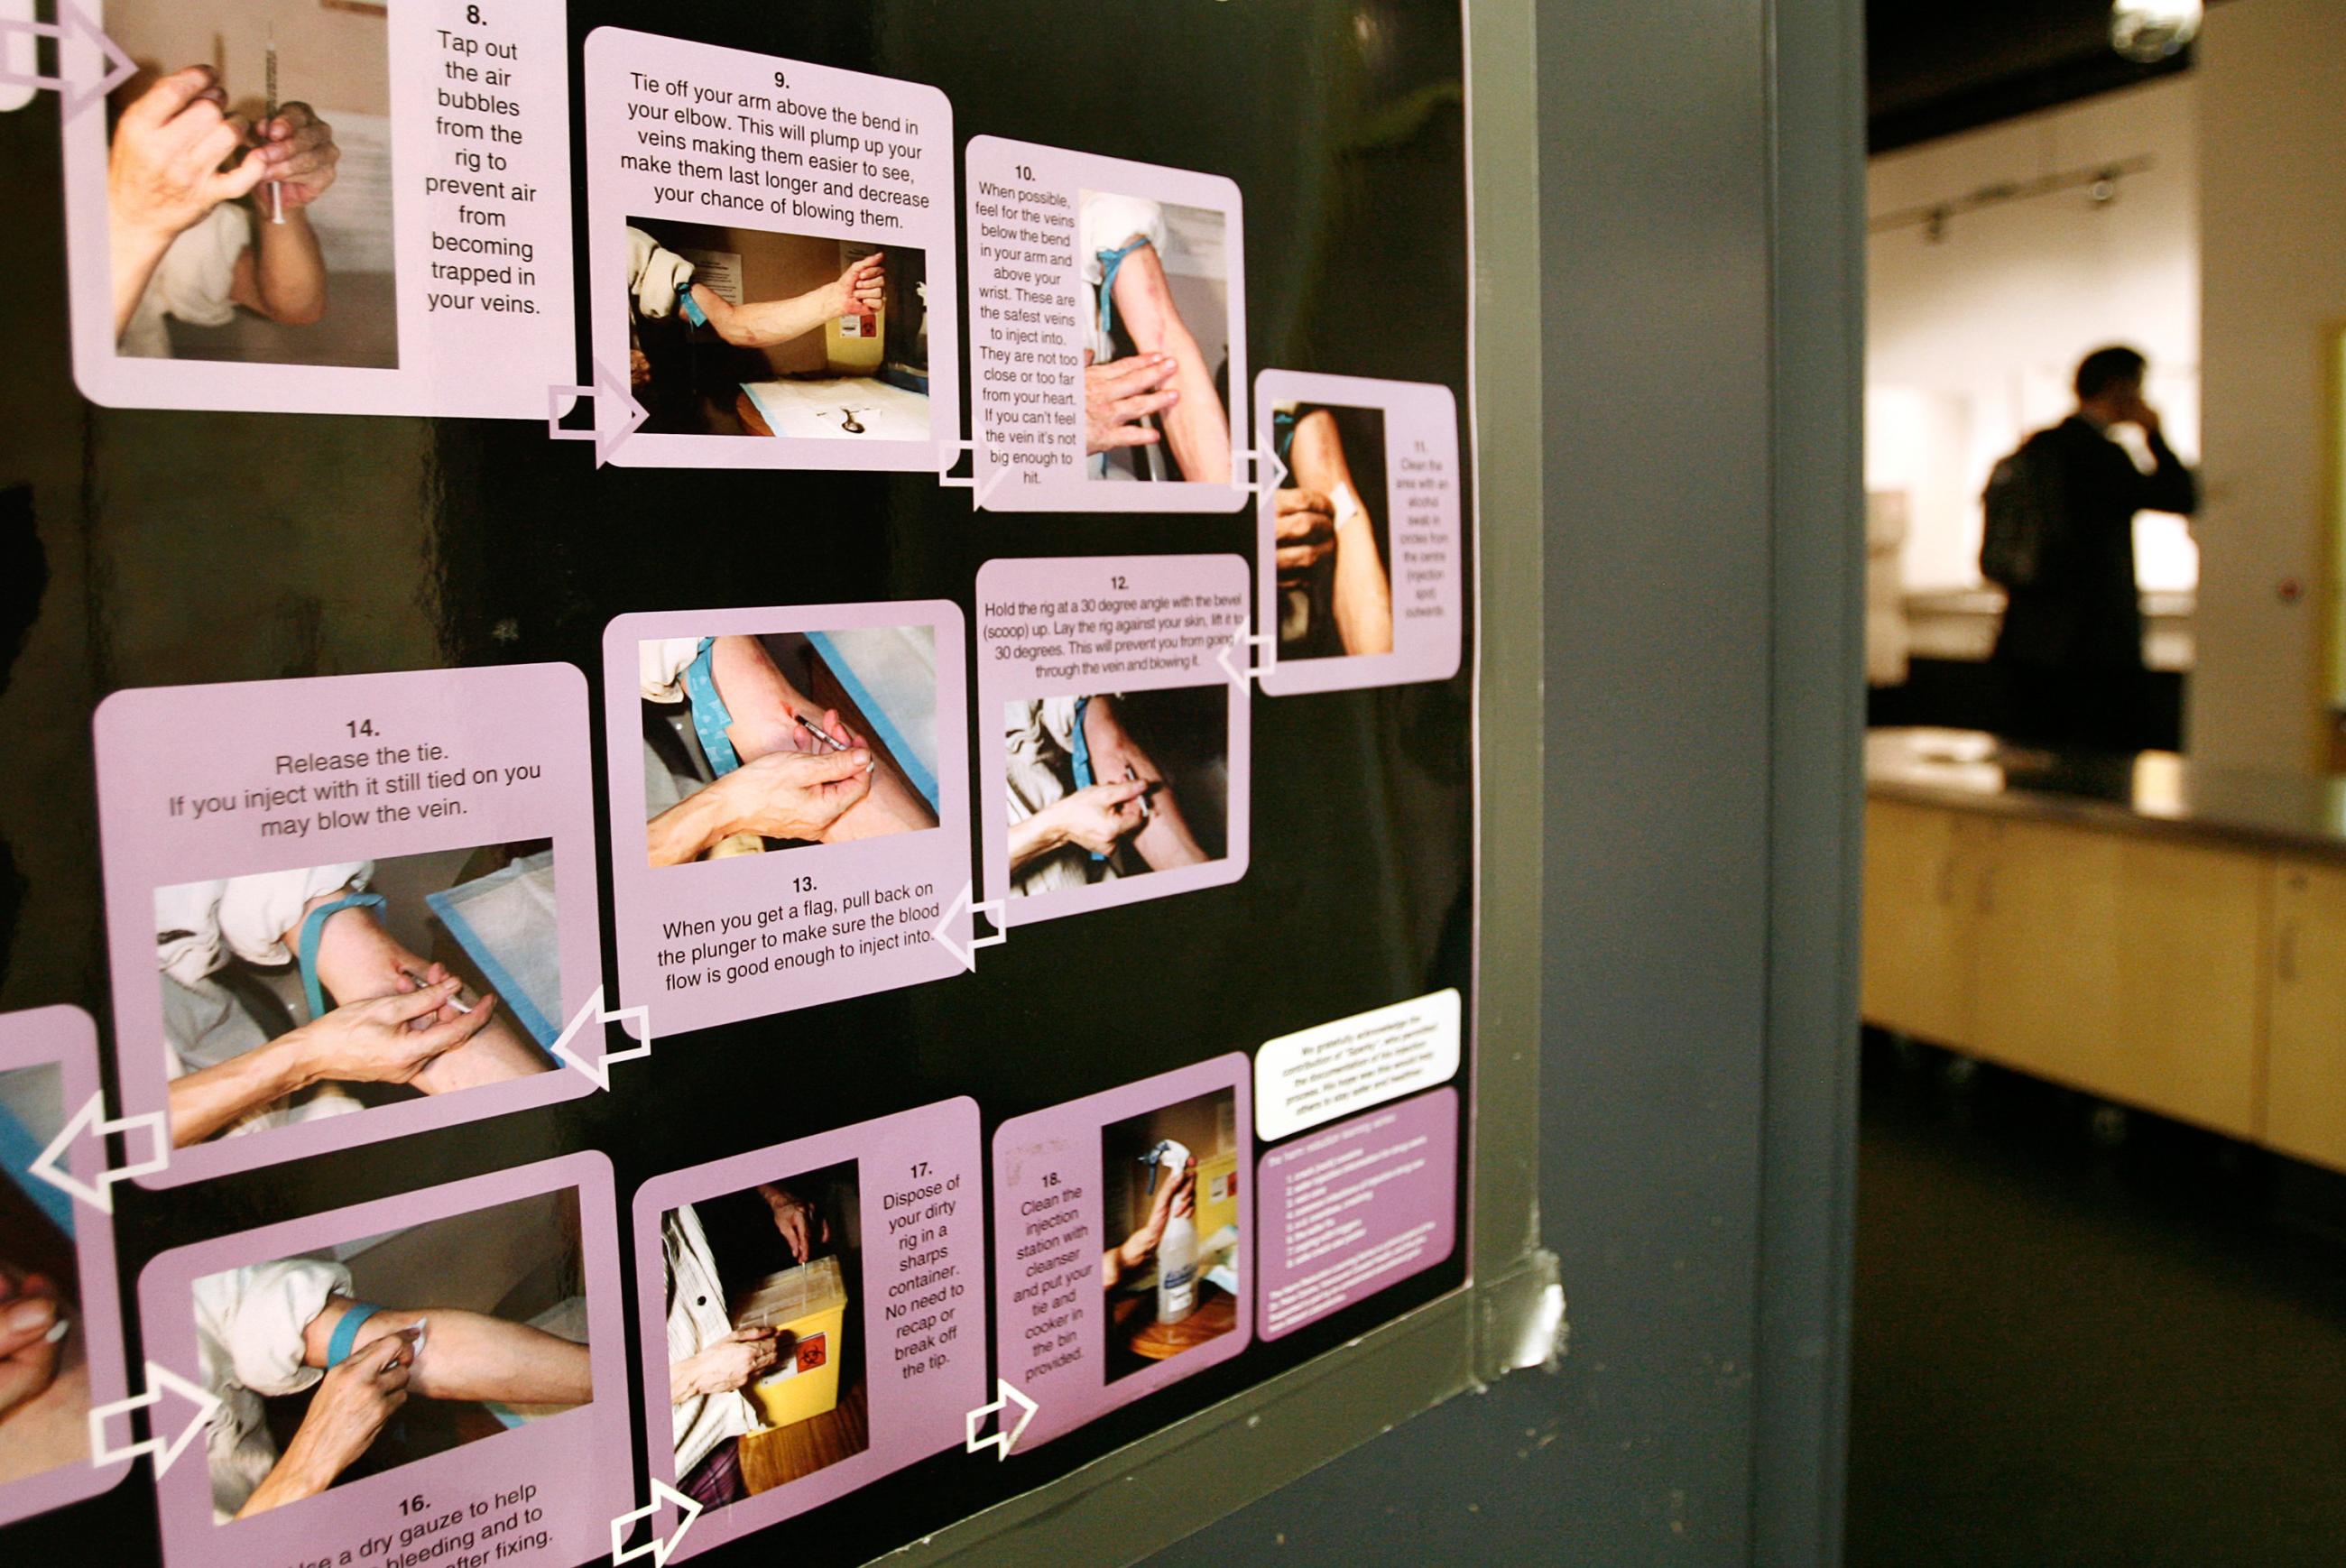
618	415
656	1549
1003	1438
73	26
160	1380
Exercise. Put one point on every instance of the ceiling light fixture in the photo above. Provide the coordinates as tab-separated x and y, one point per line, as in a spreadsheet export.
2149	31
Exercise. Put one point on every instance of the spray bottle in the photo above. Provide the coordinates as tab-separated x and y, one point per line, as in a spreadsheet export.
1177	1251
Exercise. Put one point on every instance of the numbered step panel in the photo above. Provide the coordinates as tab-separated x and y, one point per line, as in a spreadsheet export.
788	807
1107	333
813	1316
1122	1230
347	208
1367	577
773	266
60	1319
1113	738
439	1378
345	909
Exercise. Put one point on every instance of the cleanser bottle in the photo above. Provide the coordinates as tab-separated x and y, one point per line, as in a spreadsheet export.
1177	1251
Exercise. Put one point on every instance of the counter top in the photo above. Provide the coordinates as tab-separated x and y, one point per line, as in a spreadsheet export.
2150	791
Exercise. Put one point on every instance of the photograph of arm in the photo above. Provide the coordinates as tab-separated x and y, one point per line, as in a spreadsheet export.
759	743
1335	597
289	996
1160	329
228	235
1115	785
356	1359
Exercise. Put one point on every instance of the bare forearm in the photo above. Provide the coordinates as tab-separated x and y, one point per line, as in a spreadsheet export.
1166	840
685	830
473	1356
1362	597
206	1101
135	253
499	1052
1033	837
1196	427
294	1476
764	323
290	272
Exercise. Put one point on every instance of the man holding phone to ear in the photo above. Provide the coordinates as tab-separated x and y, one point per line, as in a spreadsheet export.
2071	642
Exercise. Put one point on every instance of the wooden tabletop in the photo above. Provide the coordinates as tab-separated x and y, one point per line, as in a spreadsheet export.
2151	792
745	409
1217	1315
776	1456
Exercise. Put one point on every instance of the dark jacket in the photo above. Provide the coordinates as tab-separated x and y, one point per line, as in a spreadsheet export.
2084	610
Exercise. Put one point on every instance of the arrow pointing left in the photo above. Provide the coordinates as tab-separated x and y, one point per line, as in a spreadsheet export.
51	1165
161	1380
599	1067
73	26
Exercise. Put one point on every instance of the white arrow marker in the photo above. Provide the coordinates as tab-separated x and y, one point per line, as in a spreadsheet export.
951	451
599	1067
1005	1395
72	25
990	908
656	1549
1243	638
1265	462
618	415
159	1381
50	1167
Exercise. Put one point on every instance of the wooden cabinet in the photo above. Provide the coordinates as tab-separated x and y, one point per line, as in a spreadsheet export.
1916	925
2305	1093
2121	963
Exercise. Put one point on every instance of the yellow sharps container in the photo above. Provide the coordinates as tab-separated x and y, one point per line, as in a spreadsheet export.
807	1308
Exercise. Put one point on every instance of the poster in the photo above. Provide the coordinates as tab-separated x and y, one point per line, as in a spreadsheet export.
772	833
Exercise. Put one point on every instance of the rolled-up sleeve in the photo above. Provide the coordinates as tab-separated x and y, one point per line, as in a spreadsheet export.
200	925
253	1320
1112	222
660	665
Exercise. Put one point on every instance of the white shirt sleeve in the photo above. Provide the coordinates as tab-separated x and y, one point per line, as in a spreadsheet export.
192	281
199	926
1112	222
249	1323
660	665
655	275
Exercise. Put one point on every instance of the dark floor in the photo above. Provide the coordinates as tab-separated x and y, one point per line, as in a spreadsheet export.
2086	1339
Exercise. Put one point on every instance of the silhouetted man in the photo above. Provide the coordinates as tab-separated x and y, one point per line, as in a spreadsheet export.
2071	643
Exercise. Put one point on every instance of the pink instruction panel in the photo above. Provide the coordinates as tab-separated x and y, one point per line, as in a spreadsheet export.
424	269
788	804
511	1444
1369	579
1114	741
48	1080
772	259
449	813
1357	1207
877	1346
1079	261
1082	1220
